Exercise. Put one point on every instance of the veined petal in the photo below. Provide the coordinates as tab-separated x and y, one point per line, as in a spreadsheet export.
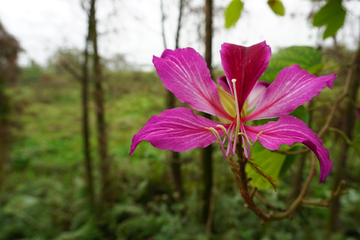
292	87
256	94
224	84
288	130
185	74
246	65
177	129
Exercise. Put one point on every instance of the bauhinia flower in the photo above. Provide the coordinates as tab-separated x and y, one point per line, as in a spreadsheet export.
239	100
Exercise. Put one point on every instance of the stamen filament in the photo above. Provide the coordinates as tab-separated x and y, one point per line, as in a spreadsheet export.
211	129
237	106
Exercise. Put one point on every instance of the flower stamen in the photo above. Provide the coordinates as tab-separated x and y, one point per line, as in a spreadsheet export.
215	133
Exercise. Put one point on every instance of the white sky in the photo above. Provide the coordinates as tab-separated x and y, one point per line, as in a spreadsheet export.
133	27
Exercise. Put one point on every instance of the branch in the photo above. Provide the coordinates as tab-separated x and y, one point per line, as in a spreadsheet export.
267	204
324	203
65	65
346	138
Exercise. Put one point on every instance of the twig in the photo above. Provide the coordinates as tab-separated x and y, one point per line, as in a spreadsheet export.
346	138
65	65
267	204
324	203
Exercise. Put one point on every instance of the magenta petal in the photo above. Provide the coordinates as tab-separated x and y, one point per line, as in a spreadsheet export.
292	87
288	130
222	81
185	74
177	129
256	94
246	65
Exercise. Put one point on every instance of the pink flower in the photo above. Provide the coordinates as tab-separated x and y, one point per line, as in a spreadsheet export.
240	100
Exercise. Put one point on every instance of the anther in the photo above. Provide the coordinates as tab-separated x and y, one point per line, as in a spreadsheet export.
211	129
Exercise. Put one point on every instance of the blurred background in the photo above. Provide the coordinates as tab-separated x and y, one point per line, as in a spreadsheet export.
77	82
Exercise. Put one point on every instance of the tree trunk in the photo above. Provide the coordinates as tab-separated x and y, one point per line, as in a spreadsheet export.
348	127
85	127
106	194
4	125
206	156
174	157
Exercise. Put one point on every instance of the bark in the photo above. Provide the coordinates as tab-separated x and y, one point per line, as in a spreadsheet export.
206	156
85	128
4	127
106	194
162	23
348	127
174	157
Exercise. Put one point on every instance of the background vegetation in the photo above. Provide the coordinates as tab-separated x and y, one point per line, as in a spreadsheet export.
44	192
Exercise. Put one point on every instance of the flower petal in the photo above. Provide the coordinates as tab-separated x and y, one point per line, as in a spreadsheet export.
185	74
256	94
246	65
292	87
223	82
177	129
287	130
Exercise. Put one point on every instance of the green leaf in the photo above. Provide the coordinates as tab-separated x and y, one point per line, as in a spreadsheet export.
269	162
308	58
332	15
277	7
233	12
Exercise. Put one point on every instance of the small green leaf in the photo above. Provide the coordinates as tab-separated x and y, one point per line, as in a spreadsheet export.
233	12
332	15
308	58
269	162
277	7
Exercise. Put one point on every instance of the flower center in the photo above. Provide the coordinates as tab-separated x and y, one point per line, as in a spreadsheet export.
235	128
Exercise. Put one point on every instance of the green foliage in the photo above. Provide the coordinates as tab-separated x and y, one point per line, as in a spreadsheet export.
31	73
43	195
277	7
233	12
307	57
332	15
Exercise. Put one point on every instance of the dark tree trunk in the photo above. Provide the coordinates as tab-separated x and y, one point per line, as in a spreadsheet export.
85	127
162	23
106	194
174	157
206	156
348	127
4	125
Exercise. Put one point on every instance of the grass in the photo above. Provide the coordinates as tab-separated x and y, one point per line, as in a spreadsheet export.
43	192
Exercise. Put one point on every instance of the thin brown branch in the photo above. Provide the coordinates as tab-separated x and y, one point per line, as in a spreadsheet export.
267	204
324	203
66	66
286	152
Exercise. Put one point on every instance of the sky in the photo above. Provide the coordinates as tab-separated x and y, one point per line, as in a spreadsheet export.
133	27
